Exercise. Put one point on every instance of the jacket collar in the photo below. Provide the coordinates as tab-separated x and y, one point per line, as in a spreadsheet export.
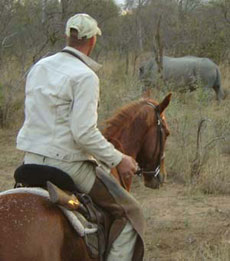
87	60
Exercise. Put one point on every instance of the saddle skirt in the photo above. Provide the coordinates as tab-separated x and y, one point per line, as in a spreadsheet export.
75	218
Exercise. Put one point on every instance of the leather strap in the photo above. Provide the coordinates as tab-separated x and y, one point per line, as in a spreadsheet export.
74	54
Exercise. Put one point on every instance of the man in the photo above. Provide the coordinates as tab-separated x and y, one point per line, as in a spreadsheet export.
60	130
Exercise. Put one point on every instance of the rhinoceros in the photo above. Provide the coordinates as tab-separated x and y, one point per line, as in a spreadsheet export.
187	71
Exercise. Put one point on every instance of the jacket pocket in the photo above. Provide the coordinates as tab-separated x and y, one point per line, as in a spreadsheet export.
63	112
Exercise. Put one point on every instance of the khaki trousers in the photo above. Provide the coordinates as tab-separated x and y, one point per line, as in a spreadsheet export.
84	176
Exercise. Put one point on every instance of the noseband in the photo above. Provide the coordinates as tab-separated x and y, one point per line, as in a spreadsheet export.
156	172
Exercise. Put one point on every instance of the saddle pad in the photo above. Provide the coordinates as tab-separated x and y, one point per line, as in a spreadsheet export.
73	219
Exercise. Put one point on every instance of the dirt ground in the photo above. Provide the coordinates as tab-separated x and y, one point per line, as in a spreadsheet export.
180	225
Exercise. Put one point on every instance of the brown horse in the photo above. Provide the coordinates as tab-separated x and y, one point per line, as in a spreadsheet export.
32	228
140	130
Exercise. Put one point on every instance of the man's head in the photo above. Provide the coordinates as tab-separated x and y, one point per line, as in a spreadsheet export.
81	31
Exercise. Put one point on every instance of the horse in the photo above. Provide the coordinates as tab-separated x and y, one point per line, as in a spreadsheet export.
33	228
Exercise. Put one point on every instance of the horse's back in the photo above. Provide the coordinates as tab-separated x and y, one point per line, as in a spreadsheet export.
32	228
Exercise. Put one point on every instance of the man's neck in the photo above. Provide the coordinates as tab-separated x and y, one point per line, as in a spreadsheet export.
83	49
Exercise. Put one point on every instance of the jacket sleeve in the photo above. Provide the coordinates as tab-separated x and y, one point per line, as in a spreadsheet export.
83	122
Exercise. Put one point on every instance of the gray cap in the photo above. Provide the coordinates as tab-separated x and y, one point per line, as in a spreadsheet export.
84	24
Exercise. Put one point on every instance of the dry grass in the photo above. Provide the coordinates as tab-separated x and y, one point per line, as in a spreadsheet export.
117	88
187	220
184	117
208	252
10	158
185	112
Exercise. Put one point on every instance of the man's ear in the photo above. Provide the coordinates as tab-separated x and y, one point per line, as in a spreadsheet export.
92	41
90	44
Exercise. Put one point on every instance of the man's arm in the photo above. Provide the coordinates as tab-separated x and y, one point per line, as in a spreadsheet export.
83	122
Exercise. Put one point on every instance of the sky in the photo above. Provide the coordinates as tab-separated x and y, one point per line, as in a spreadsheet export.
120	1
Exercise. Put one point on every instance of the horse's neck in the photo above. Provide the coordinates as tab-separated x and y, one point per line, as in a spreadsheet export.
133	139
129	142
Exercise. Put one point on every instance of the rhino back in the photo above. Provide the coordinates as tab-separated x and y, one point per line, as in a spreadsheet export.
180	70
185	70
190	69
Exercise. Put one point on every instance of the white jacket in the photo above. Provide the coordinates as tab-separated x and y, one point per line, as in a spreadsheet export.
61	104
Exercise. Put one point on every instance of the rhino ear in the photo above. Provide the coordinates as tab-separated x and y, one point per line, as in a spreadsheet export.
164	104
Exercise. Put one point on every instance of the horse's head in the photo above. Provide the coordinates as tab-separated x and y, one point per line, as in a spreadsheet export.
151	155
139	129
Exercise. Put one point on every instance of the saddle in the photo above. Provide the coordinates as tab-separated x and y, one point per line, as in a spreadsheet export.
63	192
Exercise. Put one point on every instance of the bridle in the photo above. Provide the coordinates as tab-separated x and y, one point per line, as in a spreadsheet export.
156	172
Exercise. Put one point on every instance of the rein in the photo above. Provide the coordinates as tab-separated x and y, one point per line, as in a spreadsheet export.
156	172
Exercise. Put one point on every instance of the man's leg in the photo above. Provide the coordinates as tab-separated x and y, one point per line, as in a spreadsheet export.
123	247
127	229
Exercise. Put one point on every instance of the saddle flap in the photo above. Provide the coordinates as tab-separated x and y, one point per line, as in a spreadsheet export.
95	242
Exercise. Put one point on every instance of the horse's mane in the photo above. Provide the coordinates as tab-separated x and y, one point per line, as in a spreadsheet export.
127	115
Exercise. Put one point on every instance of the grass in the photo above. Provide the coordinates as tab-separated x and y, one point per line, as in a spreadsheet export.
186	236
184	113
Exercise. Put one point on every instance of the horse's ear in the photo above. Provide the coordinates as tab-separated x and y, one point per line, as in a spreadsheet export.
164	104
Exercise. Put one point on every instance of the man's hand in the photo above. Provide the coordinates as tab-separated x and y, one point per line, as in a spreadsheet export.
127	167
